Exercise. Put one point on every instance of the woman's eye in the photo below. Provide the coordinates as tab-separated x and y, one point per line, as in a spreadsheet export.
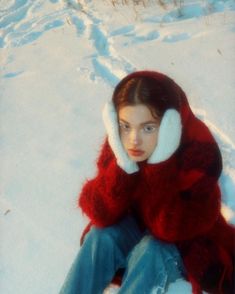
149	129
124	127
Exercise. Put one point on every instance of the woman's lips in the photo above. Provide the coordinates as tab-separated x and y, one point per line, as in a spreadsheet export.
135	152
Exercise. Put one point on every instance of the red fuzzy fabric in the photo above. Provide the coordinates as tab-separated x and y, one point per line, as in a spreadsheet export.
178	200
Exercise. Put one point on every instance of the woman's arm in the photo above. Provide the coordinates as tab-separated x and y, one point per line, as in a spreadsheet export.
106	198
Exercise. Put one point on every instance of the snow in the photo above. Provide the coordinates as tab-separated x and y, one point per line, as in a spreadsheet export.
59	62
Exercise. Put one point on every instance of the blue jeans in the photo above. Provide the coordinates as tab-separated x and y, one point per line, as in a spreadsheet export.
151	265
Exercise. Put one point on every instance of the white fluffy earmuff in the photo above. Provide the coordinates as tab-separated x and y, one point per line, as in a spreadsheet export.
112	127
169	136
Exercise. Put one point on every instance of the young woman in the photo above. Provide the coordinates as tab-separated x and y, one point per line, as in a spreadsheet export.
154	205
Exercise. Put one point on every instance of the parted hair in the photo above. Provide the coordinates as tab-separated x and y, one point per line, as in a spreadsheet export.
157	95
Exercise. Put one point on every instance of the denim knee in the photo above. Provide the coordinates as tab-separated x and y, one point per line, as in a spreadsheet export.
123	235
100	236
150	248
104	242
152	245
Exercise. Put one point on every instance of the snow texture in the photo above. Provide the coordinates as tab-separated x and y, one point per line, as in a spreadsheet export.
59	63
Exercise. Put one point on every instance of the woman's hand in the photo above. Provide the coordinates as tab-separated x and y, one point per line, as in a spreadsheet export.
107	197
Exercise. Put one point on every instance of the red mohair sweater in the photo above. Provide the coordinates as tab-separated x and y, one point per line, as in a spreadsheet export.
178	200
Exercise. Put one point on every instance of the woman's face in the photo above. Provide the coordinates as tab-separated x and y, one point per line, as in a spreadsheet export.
138	131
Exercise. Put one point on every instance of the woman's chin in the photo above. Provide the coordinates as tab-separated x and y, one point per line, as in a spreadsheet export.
138	158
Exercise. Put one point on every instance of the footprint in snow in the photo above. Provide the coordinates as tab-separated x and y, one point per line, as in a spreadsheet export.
18	39
12	74
153	35
100	41
176	37
122	31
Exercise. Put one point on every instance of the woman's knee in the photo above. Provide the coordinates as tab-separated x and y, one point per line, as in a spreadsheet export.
154	243
158	257
152	246
103	236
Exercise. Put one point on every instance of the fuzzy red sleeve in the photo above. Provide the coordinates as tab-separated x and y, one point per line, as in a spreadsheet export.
106	198
184	191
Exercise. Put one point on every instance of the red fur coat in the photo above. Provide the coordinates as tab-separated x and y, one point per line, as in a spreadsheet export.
177	199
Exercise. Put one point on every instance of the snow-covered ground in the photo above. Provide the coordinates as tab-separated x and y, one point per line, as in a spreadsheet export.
59	62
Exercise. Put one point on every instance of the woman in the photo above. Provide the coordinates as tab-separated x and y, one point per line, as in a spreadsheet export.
155	202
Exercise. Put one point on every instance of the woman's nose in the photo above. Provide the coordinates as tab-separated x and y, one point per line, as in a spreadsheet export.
135	138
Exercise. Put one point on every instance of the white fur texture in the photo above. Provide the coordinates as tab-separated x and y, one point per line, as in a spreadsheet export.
112	128
168	137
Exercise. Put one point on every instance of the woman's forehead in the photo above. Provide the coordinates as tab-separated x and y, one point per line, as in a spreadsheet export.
136	114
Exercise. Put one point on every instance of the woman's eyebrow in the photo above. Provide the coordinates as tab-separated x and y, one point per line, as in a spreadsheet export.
123	120
149	122
142	124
